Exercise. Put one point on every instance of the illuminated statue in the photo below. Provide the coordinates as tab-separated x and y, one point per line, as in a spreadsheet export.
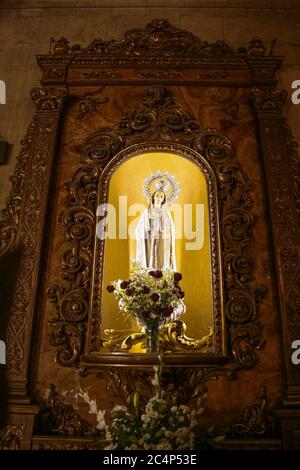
155	232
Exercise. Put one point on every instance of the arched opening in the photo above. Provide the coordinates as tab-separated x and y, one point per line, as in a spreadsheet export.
194	215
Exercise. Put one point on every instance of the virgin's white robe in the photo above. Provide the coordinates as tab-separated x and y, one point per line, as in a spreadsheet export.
155	237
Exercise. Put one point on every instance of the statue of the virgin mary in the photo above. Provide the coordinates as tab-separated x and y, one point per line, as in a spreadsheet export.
155	232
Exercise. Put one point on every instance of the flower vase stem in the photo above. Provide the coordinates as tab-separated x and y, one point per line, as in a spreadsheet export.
152	338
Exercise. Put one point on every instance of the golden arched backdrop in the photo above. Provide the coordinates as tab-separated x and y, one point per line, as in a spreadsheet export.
195	264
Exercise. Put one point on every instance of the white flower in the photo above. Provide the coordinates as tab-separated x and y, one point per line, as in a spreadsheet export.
163	445
93	407
119	408
101	424
85	396
184	408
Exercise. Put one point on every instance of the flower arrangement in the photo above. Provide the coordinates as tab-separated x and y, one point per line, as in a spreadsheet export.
151	297
160	424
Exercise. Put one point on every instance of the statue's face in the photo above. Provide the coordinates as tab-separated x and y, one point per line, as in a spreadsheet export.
158	198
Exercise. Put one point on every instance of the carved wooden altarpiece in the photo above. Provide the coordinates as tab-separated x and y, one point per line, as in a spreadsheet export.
158	88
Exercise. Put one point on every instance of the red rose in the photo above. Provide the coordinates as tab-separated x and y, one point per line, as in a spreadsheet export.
154	297
152	273
158	310
124	284
167	311
177	277
110	288
145	315
129	292
158	274
181	294
146	290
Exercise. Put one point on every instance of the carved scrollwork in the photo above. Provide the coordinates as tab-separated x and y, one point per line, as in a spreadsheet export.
121	340
294	160
230	106
160	40
11	437
89	103
279	155
172	338
10	215
71	302
63	444
100	74
159	118
58	417
100	147
30	181
49	98
164	74
241	299
180	385
54	73
255	420
37	135
245	340
269	100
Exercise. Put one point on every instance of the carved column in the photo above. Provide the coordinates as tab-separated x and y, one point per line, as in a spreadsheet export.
22	228
283	216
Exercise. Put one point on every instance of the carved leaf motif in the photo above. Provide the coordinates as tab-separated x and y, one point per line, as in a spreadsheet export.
256	420
158	119
11	437
59	417
172	338
89	103
49	99
178	384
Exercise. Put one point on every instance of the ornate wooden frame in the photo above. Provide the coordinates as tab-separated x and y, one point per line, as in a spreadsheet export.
219	341
158	56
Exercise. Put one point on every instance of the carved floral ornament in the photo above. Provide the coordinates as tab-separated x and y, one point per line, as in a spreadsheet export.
158	44
158	119
158	38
